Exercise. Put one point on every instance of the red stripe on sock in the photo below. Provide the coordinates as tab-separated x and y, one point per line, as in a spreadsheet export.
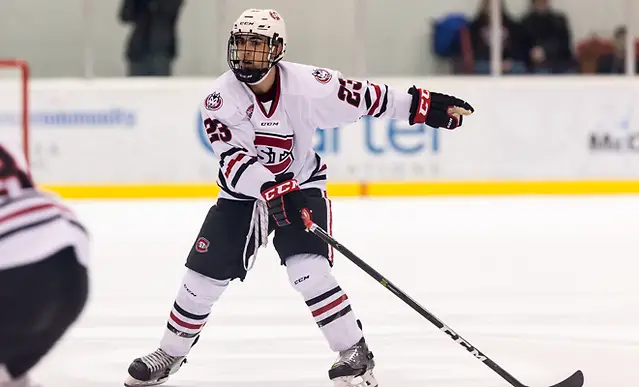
330	306
185	324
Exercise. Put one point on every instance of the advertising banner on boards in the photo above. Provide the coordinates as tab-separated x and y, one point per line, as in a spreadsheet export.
149	131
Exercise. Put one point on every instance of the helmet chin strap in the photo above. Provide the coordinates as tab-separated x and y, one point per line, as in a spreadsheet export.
262	78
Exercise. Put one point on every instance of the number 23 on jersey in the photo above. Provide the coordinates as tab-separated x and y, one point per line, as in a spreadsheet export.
217	131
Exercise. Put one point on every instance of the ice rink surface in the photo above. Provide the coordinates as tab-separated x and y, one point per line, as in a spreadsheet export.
544	286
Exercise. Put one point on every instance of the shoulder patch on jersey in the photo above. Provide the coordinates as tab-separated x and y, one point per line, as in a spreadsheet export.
213	101
249	111
322	75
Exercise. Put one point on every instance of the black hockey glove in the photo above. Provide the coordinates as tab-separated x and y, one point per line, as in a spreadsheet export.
285	200
437	110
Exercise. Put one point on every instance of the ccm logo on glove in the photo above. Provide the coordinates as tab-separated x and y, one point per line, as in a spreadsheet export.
424	105
280	189
285	200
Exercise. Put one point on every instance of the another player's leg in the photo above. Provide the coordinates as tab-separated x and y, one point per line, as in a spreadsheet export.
214	260
308	261
41	300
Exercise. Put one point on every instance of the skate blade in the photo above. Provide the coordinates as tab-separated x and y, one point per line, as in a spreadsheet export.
365	380
133	382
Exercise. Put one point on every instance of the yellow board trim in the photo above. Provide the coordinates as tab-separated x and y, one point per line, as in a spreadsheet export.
503	188
395	189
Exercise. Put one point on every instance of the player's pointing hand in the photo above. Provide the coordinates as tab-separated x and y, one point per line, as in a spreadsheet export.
437	110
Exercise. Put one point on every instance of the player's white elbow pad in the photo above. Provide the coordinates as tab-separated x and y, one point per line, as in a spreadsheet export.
310	274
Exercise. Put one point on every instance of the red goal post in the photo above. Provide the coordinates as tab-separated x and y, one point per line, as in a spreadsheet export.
23	68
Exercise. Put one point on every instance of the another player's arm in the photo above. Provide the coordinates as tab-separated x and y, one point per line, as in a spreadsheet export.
240	172
342	101
14	178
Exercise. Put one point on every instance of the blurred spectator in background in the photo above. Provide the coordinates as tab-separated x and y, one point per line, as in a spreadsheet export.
513	46
614	62
549	39
152	45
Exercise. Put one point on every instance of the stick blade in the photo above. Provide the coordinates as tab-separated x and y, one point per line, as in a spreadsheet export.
575	380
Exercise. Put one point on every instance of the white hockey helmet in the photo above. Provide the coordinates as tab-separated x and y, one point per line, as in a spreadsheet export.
263	22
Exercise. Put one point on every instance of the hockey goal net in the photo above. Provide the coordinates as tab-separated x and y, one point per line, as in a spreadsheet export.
14	104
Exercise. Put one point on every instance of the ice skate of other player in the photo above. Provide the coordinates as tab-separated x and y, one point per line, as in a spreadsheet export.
260	118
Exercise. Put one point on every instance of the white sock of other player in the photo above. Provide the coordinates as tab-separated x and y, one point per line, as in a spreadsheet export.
190	312
329	305
5	377
7	381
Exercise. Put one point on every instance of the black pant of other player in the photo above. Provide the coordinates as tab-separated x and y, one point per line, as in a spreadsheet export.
38	302
222	251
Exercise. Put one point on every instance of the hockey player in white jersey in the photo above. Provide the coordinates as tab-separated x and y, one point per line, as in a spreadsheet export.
43	274
260	118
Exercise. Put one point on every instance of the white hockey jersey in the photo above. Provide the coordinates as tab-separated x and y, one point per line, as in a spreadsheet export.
33	224
255	142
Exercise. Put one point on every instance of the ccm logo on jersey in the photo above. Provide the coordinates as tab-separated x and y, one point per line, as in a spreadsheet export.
274	151
280	189
269	123
213	101
322	75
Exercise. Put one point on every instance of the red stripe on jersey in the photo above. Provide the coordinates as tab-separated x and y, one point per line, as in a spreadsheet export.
185	324
27	211
330	306
232	163
277	95
276	99
378	90
323	168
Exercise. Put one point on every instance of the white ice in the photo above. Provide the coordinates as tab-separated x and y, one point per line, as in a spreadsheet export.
544	286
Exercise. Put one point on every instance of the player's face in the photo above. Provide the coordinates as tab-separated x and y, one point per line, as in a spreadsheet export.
252	51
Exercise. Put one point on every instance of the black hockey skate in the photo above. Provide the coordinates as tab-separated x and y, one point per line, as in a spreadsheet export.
354	367
154	368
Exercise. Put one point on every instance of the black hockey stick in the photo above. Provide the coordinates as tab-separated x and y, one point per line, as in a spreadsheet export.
575	380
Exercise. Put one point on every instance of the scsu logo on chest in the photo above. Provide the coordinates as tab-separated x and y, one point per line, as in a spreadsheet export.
274	150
